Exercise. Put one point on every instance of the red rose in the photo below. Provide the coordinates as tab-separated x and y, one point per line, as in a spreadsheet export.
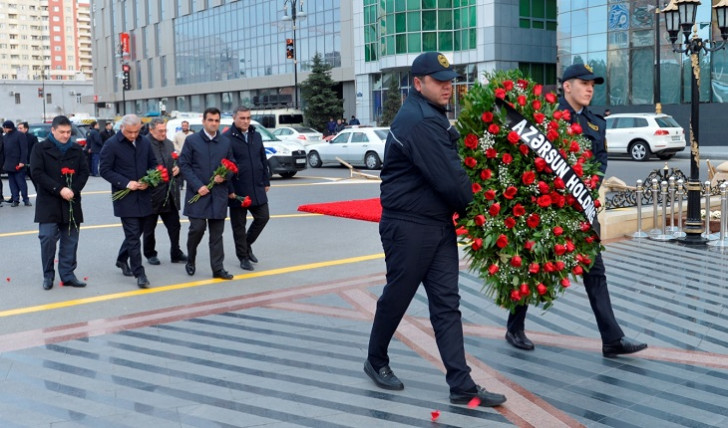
539	118
479	219
523	84
549	267
560	265
470	162
524	289
528	177
574	147
533	220
500	93
565	282
562	152
523	149
537	90
487	117
477	244
584	226
513	137
586	260
597	203
510	192
588	154
553	125
246	202
577	270
508	84
557	114
540	164
471	141
175	156
491	153
570	247
492	269
534	268
493	128
460	231
589	239
566	115
476	188
559	249
578	169
576	128
515	295
551	98
543	187
502	241
485	174
543	201
557	199
559	183
570	200
516	261
529	245
558	231
541	289
507	158
521	100
510	223
494	209
489	194
536	104
552	135
519	210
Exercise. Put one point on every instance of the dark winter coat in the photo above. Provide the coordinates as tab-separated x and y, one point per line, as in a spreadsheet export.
198	161
122	162
252	177
163	199
15	149
423	180
106	134
93	141
32	141
46	164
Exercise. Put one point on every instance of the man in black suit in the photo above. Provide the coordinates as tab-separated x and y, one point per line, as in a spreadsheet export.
125	158
15	147
94	143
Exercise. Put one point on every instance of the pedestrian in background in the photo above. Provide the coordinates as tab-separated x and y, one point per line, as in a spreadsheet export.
32	141
15	147
95	143
61	172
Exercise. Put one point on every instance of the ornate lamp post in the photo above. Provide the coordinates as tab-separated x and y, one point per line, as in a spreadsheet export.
680	17
296	13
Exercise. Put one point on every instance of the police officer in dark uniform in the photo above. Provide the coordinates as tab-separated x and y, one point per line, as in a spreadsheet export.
423	185
578	89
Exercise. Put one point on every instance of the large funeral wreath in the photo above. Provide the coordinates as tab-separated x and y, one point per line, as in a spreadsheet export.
526	234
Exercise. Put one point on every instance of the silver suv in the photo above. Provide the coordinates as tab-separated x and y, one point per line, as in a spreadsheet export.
641	134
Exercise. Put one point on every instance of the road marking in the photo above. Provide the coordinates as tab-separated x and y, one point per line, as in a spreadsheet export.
184	285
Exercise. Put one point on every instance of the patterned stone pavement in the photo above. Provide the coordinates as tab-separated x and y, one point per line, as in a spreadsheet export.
293	357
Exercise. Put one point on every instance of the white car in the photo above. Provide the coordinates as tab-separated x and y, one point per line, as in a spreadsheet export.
642	134
299	134
357	146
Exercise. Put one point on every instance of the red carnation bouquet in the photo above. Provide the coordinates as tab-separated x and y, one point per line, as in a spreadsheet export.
153	178
245	202
526	234
226	166
175	156
67	173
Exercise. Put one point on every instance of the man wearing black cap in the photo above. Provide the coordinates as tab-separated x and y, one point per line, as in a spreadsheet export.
578	89
15	148
423	185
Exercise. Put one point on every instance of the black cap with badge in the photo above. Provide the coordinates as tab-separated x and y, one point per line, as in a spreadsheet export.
435	65
583	72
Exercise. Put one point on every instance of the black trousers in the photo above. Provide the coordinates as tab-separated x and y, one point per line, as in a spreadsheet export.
131	248
171	223
243	240
595	283
49	234
195	234
414	254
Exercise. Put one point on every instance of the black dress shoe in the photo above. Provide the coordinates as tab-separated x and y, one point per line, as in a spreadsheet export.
251	256
624	346
74	283
47	283
14	204
246	265
190	268
154	260
384	378
28	204
519	340
142	281
179	258
485	398
222	274
125	269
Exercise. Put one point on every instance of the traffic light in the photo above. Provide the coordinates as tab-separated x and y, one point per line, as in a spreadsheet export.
40	92
126	81
289	49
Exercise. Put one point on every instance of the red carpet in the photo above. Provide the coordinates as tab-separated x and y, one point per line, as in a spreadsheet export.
359	209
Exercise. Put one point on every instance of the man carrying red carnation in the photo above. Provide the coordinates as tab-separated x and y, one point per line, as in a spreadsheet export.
578	89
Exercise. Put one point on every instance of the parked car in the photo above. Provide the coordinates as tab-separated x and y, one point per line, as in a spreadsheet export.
42	130
641	134
301	134
357	146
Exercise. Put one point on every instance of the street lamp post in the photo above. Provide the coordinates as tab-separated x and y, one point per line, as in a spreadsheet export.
42	80
296	13
680	17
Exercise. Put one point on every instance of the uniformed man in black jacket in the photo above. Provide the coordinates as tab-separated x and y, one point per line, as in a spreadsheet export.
578	89
423	185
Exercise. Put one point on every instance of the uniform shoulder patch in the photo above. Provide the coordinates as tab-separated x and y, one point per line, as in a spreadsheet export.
593	126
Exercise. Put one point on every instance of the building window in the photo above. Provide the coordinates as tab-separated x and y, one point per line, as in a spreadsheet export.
542	73
537	14
17	98
49	98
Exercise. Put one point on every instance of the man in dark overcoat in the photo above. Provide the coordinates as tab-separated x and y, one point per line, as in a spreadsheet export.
58	209
252	181
94	144
165	197
15	147
32	141
125	159
201	155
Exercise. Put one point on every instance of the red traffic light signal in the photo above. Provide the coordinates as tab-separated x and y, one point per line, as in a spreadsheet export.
40	92
289	49
126	82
